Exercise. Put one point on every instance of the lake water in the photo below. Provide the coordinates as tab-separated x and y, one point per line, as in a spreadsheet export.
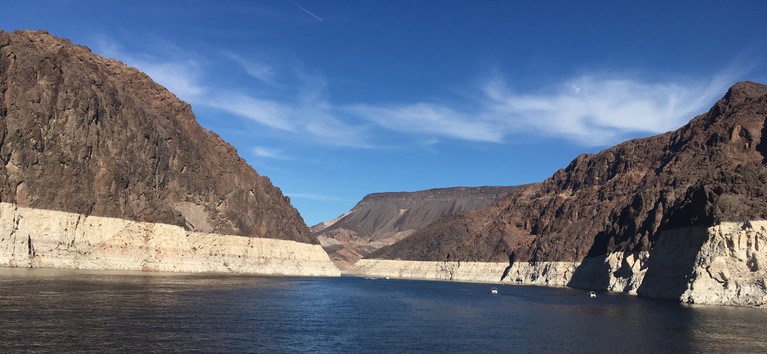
82	311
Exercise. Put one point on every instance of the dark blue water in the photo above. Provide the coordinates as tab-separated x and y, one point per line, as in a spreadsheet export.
76	311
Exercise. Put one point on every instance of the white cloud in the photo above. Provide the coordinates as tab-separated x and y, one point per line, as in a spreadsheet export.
307	113
270	153
312	196
431	119
255	69
311	118
595	110
181	78
589	109
266	112
177	71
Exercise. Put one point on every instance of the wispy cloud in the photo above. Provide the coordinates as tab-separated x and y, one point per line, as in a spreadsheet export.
588	109
313	118
255	69
178	77
431	119
313	196
594	110
178	71
305	112
270	153
263	111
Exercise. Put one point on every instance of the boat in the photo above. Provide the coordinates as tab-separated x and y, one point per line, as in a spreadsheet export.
592	294
494	291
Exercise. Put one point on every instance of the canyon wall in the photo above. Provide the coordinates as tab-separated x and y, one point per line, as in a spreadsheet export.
544	274
728	267
90	135
669	216
719	265
103	168
41	238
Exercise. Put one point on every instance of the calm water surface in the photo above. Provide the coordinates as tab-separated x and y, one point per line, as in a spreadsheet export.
80	311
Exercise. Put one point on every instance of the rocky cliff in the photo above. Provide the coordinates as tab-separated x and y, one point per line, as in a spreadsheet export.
381	219
40	238
88	138
613	213
89	135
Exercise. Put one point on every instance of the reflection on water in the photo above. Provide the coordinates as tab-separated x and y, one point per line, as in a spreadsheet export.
81	311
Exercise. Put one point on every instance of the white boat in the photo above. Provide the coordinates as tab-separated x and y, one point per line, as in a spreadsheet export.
494	291
592	294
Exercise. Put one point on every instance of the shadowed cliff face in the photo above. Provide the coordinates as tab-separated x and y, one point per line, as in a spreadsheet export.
619	200
381	219
89	135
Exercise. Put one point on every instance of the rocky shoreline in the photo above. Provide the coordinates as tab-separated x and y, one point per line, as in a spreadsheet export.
38	238
719	265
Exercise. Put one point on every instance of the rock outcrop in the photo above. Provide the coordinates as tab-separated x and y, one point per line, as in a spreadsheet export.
89	135
474	272
102	168
723	265
381	219
41	238
644	210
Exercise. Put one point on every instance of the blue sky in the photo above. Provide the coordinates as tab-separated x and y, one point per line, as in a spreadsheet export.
337	99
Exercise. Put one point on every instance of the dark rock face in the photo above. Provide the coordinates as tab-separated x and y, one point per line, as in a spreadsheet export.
381	219
711	170
85	134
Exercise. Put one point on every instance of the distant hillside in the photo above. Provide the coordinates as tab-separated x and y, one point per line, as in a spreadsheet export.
681	216
381	219
711	170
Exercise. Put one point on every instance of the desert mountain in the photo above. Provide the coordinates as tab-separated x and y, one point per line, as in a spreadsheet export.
381	219
712	170
84	134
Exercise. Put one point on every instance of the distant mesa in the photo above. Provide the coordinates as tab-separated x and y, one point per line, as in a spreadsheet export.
382	219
